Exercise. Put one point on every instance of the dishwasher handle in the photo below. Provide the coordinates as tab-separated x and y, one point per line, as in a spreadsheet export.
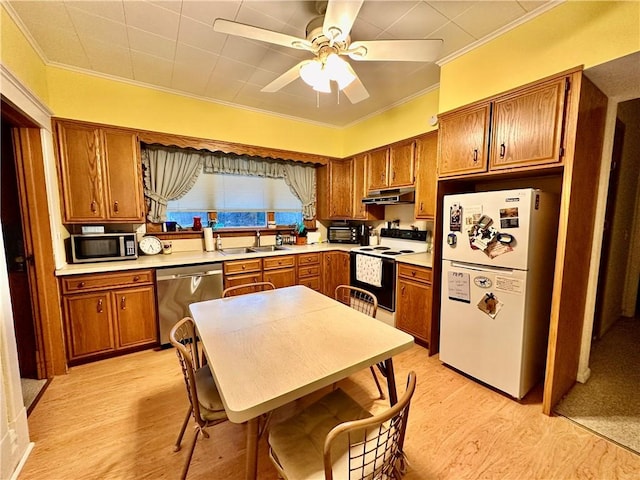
189	275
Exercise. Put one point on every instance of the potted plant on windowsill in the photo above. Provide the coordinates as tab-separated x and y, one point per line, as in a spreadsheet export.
300	232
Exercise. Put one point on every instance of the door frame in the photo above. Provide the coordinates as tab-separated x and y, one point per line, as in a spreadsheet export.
29	155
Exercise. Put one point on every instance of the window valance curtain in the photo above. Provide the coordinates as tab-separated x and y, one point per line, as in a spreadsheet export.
301	179
169	173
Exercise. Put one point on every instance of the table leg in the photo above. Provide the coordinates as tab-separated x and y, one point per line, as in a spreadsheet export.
391	381
251	466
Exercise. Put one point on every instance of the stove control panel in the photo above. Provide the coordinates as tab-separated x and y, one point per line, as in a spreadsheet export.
420	235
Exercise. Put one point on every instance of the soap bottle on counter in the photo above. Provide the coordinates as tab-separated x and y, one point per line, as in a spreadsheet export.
218	242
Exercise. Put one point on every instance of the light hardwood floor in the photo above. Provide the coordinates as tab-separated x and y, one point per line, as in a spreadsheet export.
118	418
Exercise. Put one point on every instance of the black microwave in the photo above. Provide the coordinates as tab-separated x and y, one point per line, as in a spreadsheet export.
343	234
103	247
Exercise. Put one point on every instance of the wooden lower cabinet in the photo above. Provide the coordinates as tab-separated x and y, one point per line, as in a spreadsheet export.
309	271
335	267
413	305
242	272
109	313
280	270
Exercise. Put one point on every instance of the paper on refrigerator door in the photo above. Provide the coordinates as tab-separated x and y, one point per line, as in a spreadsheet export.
458	285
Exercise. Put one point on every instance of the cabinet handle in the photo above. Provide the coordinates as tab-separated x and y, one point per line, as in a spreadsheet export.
244	266
475	155
99	307
93	206
136	278
503	150
80	284
413	273
402	290
115	206
421	206
123	303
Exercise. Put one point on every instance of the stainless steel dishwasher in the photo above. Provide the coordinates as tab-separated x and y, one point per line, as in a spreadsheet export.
178	287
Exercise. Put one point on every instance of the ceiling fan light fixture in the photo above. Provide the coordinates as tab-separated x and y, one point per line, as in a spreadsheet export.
311	72
339	71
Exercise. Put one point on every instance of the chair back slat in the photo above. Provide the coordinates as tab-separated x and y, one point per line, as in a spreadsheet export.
247	288
357	298
375	443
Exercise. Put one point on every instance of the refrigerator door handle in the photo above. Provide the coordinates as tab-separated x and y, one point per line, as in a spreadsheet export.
481	268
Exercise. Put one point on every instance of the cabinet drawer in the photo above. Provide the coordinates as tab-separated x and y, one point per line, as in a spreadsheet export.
417	273
279	262
308	259
243	266
82	283
308	271
311	282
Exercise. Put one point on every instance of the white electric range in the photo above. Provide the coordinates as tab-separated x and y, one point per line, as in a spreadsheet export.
379	276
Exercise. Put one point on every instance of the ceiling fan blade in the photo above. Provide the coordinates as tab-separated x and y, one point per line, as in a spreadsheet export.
254	33
339	18
396	50
285	79
355	91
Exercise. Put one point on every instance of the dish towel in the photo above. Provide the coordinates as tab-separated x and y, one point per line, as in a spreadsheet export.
369	270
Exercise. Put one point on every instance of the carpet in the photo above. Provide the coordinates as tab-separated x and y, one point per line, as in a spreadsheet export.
31	390
609	403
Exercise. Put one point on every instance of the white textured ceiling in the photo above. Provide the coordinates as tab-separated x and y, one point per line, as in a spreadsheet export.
172	45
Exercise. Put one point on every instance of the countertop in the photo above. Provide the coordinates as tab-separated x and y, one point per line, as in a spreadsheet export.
418	259
190	258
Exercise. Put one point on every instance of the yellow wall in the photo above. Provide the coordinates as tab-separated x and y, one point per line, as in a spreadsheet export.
403	121
85	97
20	59
572	34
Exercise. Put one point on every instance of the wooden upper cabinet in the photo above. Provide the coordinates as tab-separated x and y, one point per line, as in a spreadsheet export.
378	169
362	211
401	164
81	172
123	171
426	166
393	166
463	136
527	126
340	187
101	174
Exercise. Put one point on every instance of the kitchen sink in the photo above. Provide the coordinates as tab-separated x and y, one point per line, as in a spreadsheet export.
240	250
268	248
236	251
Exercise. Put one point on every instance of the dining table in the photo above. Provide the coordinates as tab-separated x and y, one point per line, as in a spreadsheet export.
270	348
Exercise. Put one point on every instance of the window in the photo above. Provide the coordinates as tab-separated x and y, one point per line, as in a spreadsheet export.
241	201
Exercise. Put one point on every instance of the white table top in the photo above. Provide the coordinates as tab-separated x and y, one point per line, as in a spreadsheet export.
269	348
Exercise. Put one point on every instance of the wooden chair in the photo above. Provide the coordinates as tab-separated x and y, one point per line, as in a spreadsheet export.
253	287
205	404
355	444
365	302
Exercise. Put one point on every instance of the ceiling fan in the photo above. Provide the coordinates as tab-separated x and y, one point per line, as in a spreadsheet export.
327	37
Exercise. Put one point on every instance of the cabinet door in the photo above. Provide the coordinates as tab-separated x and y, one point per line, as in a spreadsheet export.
135	316
401	164
462	137
322	192
340	179
426	159
336	271
283	277
377	171
360	210
89	324
235	280
123	173
413	308
81	183
527	126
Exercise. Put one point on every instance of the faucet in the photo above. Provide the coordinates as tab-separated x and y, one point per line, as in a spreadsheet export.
257	238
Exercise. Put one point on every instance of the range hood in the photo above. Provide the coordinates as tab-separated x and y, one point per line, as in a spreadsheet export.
390	197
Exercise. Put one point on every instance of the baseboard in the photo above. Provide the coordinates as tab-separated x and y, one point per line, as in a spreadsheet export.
23	460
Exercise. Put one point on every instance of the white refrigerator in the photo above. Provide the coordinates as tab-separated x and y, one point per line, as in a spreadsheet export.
498	257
